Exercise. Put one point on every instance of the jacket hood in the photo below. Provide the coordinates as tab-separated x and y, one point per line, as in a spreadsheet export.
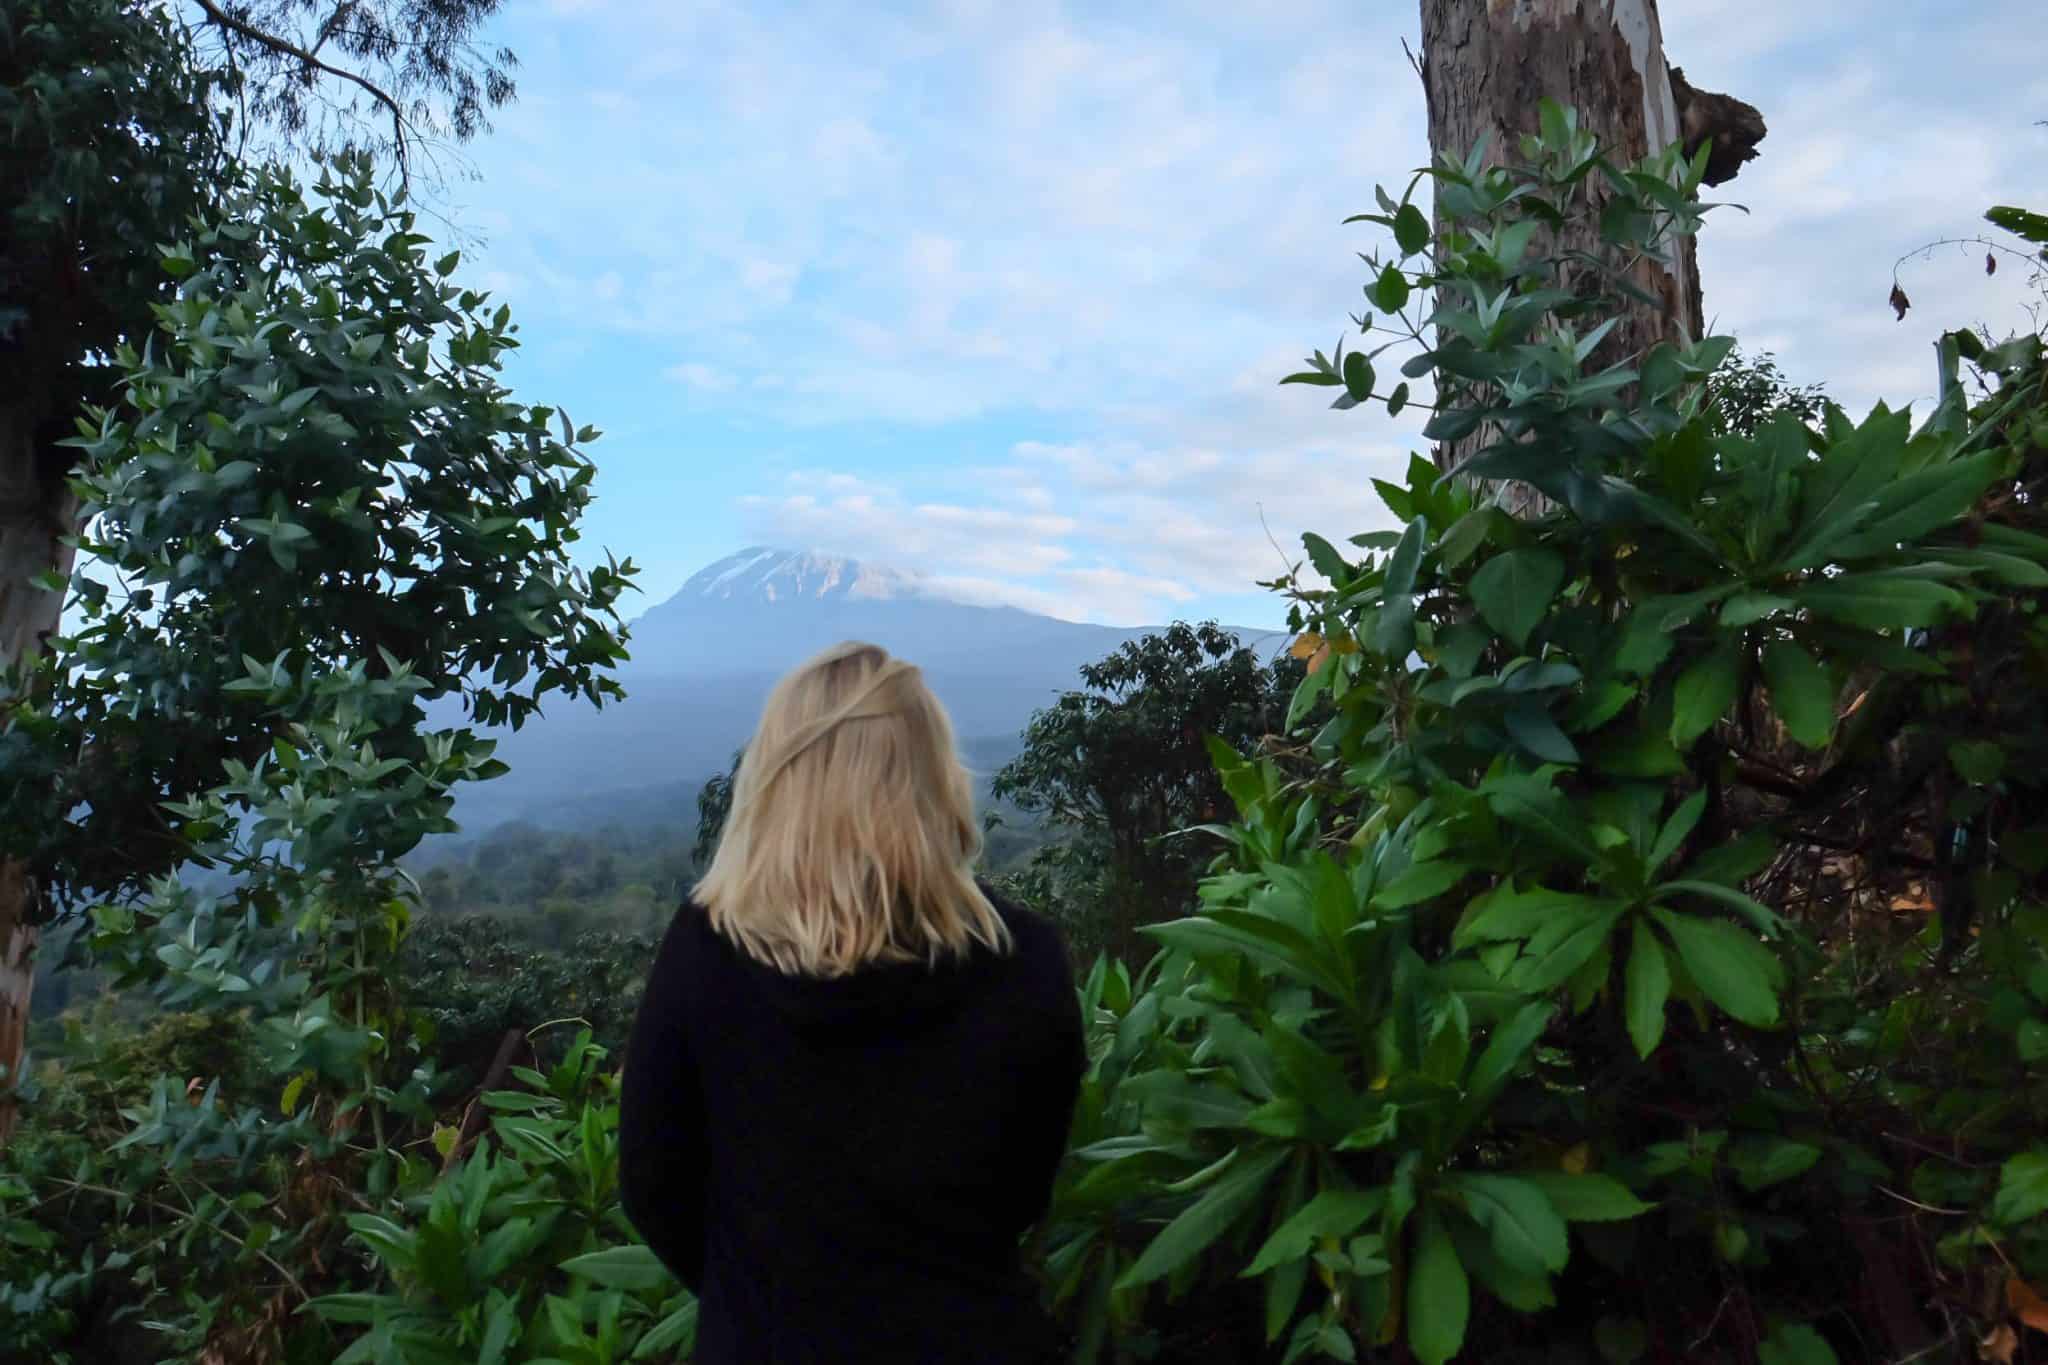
876	1002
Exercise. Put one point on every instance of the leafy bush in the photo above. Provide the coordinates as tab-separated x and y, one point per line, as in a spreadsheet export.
315	508
477	977
1666	897
521	1251
1117	767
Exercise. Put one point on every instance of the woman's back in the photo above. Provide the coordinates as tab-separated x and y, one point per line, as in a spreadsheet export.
843	1167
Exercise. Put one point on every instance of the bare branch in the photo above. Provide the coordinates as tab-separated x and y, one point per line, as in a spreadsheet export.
401	129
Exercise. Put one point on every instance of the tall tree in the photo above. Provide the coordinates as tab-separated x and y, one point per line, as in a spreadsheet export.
113	130
1122	764
105	147
1485	69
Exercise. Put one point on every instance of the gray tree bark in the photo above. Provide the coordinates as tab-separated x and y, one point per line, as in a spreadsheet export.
36	512
1486	65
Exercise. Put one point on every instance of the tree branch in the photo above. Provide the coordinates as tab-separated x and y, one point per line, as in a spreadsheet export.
285	48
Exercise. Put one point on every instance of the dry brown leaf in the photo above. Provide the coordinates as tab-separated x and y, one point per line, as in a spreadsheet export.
2000	1345
2027	1303
1916	902
1319	658
1305	644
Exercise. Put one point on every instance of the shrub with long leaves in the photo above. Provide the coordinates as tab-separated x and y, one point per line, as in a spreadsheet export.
1531	957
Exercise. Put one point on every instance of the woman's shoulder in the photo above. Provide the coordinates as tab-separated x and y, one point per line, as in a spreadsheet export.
689	937
1037	937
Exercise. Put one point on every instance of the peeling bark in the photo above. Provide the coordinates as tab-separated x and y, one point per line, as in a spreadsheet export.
1486	66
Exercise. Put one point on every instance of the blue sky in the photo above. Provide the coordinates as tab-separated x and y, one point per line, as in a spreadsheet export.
999	292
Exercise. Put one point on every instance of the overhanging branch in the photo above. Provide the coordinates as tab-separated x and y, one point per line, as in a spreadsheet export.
284	47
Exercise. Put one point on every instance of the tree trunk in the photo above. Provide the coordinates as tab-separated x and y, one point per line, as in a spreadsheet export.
36	511
17	976
1486	65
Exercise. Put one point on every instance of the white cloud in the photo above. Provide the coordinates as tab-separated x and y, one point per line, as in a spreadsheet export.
701	377
958	224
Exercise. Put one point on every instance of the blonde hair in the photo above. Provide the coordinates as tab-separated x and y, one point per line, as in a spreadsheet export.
851	838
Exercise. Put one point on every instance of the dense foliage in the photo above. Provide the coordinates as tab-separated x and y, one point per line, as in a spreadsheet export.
1118	769
314	508
1657	930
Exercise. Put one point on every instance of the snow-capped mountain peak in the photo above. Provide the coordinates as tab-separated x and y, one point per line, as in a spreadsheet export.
763	574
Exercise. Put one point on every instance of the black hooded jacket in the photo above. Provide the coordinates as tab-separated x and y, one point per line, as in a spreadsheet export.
842	1169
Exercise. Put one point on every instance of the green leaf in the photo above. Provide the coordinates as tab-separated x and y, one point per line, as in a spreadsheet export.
1840	490
1258	936
2032	1040
1513	590
1563	946
1311	686
1750	607
1284	1288
1333	1213
2018	221
1327	561
1506	1048
1586	1197
1505	913
1795	1343
1398	399
1395	634
1439	1294
1530	724
1645	643
1648	986
1802	693
1411	229
1203	1221
2022	1188
1358	376
1977	761
500	1328
1921	502
1760	1163
1881	600
1749	908
621	1267
1525	1228
1705	692
1422	882
1735	862
1464	537
1390	292
1735	971
673	1335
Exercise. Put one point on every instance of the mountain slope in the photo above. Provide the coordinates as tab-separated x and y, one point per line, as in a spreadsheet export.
768	610
704	660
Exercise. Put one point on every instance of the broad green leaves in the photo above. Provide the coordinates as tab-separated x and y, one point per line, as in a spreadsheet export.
1704	693
2022	1188
1647	988
1732	968
1556	743
1801	692
1205	1220
1513	590
1439	1295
